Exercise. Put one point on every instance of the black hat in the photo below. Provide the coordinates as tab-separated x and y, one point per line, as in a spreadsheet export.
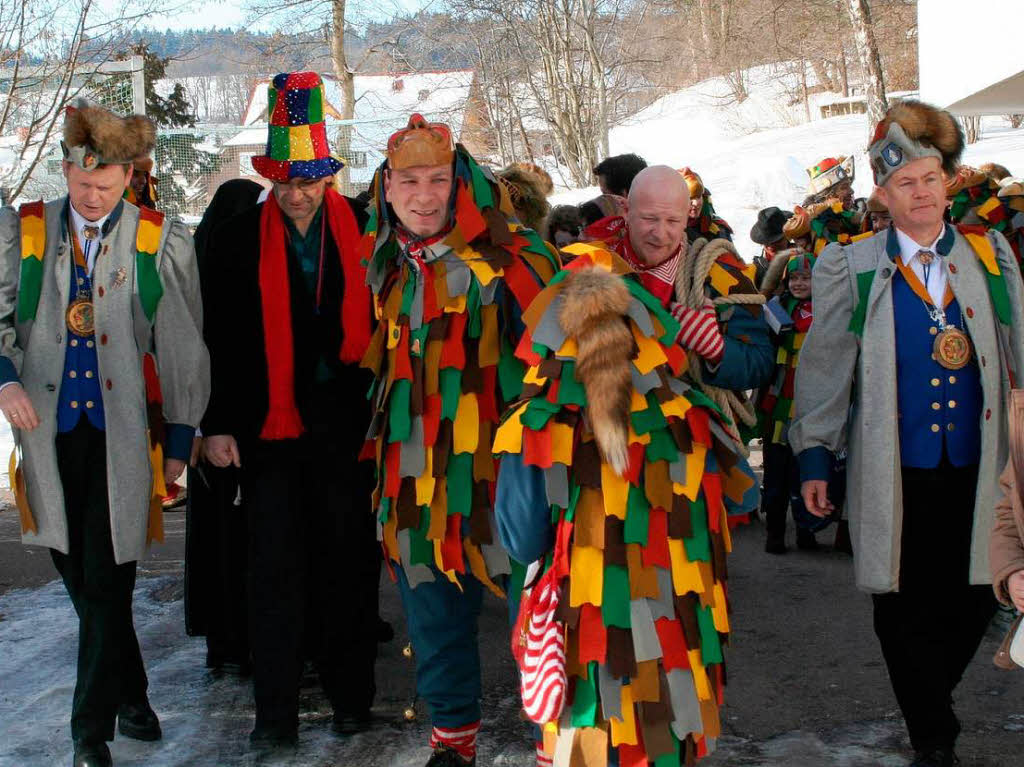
768	228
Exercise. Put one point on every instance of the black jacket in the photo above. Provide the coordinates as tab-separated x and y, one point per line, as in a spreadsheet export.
233	319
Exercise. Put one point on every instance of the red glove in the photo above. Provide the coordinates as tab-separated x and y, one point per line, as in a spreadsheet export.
698	330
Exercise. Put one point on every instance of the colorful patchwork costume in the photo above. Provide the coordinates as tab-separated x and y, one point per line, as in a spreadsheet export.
611	451
450	318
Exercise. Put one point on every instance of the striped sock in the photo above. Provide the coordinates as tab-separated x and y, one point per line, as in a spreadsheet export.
543	760
461	739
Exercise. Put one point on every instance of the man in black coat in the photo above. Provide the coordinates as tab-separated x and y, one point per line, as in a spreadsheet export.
289	319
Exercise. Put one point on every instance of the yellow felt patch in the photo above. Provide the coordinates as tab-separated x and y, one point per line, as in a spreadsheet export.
615	490
722	281
586	575
33	238
685	574
624	730
466	428
147	238
509	438
650	354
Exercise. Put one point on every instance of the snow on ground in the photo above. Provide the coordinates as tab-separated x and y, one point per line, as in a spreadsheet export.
205	719
748	172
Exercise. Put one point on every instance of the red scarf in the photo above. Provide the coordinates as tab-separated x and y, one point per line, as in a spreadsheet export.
283	420
659	280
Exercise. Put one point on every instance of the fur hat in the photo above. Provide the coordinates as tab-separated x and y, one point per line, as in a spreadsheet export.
544	182
526	190
995	171
912	130
94	136
875	204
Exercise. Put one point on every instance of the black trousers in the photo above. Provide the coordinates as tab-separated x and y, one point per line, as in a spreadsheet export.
110	669
781	477
216	563
930	630
314	571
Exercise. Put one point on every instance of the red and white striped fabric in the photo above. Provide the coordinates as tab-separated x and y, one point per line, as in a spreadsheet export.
543	760
699	331
461	739
539	649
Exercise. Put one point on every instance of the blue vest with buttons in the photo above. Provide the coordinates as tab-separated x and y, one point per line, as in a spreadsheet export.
939	409
80	384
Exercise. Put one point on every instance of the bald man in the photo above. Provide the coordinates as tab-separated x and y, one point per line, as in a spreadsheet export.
732	339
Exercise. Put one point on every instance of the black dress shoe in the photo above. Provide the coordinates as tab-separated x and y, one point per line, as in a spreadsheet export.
138	721
349	724
445	756
940	757
274	736
775	545
92	753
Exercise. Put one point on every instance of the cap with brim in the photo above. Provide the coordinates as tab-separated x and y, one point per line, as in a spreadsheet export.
828	173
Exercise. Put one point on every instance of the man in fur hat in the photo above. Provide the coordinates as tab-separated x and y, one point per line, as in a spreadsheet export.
921	327
708	289
292	320
97	297
452	273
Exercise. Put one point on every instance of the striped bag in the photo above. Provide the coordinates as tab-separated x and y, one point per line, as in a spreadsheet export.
538	641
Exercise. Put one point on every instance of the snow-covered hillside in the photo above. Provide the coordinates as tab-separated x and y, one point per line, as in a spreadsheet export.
748	172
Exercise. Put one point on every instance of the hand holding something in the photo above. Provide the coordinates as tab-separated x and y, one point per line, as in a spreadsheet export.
699	331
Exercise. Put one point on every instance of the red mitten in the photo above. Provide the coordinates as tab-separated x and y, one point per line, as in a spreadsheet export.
698	330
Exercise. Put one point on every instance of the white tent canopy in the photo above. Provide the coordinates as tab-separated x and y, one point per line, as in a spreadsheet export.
970	57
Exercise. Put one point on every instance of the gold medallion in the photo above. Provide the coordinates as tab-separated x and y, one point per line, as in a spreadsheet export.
952	348
80	318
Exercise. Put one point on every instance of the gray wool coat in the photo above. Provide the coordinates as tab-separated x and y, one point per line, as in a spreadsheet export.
37	350
846	394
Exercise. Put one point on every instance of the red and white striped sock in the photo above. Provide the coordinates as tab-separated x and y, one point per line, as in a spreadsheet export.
461	739
543	760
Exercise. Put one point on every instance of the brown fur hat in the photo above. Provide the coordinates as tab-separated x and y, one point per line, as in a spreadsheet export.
995	171
595	302
106	138
910	130
545	184
565	217
526	190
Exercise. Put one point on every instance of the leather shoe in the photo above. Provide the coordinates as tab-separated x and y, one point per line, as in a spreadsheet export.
940	757
349	724
775	545
92	753
273	736
138	721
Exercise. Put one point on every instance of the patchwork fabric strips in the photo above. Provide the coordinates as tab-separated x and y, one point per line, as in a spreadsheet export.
644	600
147	243
33	245
443	356
777	402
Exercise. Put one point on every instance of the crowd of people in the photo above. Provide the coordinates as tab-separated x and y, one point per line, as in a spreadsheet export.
484	395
